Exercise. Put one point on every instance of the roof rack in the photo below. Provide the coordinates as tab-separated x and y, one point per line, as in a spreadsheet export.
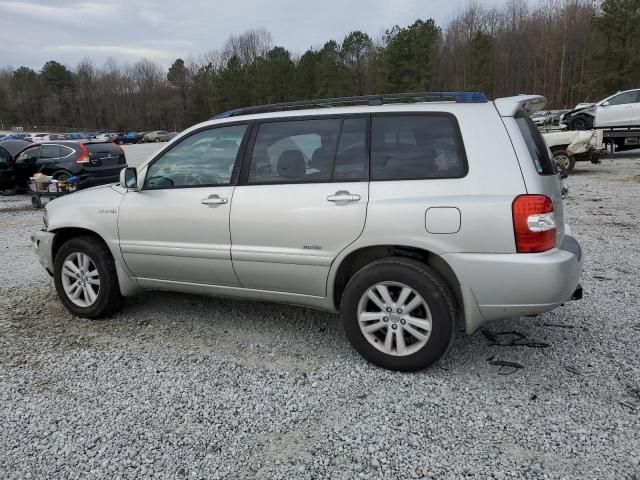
371	100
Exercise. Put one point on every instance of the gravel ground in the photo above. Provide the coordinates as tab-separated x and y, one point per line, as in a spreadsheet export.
181	386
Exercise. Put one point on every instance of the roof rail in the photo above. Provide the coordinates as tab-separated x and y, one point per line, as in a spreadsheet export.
371	100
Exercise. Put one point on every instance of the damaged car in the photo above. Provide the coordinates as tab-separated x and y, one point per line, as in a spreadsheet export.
567	147
619	110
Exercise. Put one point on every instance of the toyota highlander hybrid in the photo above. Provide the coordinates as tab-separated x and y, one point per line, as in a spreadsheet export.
404	213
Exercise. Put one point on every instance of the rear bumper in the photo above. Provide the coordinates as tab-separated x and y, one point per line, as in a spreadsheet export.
496	286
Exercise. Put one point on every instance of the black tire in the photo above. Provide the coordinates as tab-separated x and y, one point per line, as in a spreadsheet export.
421	279
157	140
581	122
561	158
7	192
109	298
62	176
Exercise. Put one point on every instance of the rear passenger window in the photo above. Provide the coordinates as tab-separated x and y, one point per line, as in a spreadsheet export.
65	151
536	145
301	151
50	151
408	147
352	159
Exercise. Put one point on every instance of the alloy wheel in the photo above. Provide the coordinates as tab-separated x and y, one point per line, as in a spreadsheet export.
80	279
394	318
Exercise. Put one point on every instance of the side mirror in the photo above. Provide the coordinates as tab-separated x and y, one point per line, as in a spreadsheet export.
605	104
129	178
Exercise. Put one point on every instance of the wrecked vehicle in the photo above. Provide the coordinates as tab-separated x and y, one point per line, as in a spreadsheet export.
567	147
619	110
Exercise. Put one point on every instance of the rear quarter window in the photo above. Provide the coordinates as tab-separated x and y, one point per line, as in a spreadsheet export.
537	147
413	147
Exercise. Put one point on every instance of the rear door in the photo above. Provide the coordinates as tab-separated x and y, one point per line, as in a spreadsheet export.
302	200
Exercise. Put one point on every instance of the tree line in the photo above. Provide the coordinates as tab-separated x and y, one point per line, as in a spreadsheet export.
567	50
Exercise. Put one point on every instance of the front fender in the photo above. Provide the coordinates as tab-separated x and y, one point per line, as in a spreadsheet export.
95	210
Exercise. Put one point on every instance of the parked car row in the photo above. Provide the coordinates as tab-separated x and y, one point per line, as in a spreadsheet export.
120	138
90	162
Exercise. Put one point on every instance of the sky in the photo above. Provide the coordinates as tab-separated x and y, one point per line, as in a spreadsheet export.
35	31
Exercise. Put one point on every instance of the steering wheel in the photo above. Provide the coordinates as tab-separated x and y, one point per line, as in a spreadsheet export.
193	179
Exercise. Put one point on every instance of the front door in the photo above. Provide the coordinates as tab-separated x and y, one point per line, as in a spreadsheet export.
26	165
618	112
176	228
301	201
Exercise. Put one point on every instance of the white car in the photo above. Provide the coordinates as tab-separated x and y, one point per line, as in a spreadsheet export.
37	137
102	137
619	110
541	118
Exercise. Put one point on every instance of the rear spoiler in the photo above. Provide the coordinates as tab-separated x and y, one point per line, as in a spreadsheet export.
508	106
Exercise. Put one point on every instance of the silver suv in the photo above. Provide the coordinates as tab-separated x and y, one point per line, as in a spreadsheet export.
402	212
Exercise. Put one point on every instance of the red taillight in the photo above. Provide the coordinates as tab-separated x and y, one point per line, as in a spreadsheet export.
534	223
84	155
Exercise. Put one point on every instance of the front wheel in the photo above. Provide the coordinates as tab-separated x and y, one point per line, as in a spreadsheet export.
398	314
581	122
564	161
85	278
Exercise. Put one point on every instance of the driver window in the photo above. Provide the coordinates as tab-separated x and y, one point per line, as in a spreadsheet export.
624	98
205	158
28	156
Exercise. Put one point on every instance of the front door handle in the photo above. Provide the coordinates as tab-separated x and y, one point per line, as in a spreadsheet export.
343	196
214	200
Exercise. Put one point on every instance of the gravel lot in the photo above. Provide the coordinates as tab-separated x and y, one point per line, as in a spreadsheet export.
180	386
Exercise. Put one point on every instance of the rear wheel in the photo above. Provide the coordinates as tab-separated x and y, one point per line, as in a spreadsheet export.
85	278
157	140
398	314
62	176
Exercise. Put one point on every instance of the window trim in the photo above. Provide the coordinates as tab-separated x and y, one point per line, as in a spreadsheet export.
637	98
10	160
71	150
235	173
32	147
458	134
246	163
521	114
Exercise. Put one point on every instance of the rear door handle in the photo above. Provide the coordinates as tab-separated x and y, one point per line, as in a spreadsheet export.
343	196
214	200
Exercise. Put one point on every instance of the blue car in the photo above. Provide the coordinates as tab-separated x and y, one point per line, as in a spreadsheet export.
128	137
